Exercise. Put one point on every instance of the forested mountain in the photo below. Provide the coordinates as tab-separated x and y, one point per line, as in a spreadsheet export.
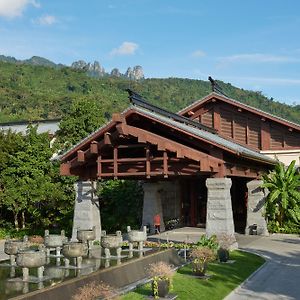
29	92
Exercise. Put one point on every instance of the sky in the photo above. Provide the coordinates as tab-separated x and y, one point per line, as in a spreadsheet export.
253	44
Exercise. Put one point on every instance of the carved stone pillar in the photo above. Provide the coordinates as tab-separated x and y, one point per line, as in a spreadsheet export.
256	223
87	209
219	218
152	205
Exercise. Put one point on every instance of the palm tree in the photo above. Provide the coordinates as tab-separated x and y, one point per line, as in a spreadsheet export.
283	201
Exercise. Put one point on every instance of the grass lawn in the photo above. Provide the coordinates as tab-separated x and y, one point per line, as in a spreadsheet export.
225	278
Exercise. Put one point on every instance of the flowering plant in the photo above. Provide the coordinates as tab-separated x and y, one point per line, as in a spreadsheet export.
160	271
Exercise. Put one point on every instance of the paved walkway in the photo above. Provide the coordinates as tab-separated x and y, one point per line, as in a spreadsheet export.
279	278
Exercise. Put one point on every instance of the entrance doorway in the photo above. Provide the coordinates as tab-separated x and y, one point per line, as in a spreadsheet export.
193	202
239	197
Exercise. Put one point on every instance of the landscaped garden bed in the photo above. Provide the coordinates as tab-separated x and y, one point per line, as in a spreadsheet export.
225	278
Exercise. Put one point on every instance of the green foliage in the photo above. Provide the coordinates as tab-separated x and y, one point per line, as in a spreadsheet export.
121	204
287	227
283	201
30	92
82	119
209	242
31	189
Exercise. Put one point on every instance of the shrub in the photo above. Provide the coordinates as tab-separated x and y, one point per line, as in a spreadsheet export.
93	290
226	240
201	256
209	242
160	269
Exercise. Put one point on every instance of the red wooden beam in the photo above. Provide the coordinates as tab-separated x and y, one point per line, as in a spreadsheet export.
165	164
80	156
115	162
118	118
107	139
148	167
99	166
166	144
94	147
64	169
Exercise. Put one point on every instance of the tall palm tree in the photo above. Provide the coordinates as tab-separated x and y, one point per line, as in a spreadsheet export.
283	201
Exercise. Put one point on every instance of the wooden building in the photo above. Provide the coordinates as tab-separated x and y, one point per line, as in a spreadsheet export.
258	130
201	165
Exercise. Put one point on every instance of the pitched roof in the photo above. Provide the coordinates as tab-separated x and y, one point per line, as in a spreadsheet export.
190	128
210	137
241	105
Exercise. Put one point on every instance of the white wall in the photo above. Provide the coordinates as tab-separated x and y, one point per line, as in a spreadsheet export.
285	156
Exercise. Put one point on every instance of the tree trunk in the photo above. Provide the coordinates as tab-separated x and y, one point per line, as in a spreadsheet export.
16	221
23	220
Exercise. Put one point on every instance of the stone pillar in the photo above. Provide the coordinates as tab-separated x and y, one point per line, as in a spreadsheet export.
152	205
87	209
255	209
219	218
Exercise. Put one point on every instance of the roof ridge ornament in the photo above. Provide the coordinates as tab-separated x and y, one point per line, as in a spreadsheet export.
215	87
139	101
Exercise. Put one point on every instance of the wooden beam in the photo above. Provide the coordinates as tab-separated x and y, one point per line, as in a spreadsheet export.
107	138
165	164
204	164
118	118
115	162
148	167
94	147
129	146
99	167
64	169
166	144
80	156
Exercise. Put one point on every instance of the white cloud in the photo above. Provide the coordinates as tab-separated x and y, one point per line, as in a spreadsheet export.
15	8
198	53
256	58
126	48
46	20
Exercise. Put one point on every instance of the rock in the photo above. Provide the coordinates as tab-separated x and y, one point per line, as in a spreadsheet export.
129	73
138	73
115	72
80	65
96	70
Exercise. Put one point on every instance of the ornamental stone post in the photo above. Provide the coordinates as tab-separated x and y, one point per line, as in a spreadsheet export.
87	209
152	205
219	218
256	223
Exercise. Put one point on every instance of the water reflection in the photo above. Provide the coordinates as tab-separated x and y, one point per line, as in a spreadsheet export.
55	271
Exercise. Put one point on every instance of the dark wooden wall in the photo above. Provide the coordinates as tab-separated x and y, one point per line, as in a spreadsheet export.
247	128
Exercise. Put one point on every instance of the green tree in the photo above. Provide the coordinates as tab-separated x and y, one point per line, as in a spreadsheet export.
283	201
83	118
30	186
121	204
